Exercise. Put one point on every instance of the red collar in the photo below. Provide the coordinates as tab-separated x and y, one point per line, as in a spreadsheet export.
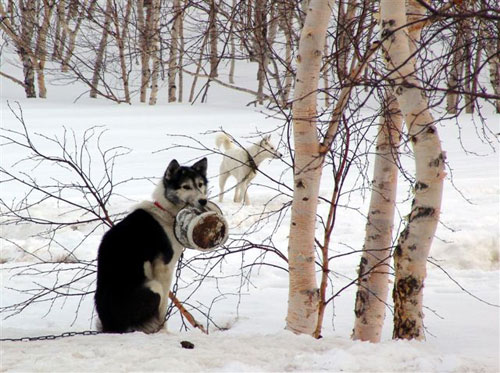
157	204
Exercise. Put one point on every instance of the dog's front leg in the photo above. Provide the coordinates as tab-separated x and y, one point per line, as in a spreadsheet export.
163	273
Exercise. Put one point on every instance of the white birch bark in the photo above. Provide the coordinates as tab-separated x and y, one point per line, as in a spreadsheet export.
154	48
41	48
121	38
181	58
59	29
491	38
303	296
414	243
100	50
142	24
213	35
374	266
24	48
285	15
174	51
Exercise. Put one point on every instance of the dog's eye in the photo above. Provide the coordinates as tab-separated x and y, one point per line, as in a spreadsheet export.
200	185
187	187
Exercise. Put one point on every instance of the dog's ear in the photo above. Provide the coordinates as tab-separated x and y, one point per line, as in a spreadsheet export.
201	166
265	139
172	167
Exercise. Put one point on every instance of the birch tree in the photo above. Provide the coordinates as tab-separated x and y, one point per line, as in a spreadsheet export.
303	295
174	51
22	36
143	22
154	48
374	267
101	50
414	243
41	47
213	36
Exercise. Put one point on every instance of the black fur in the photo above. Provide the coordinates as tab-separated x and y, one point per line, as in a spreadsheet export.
125	298
122	301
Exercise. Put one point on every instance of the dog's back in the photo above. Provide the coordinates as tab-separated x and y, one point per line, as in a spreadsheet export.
121	279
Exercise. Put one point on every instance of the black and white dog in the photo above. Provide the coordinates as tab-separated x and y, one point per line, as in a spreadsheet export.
137	257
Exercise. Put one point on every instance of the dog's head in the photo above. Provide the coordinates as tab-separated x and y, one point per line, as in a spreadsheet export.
269	148
186	185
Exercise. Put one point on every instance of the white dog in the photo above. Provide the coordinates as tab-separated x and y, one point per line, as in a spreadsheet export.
242	164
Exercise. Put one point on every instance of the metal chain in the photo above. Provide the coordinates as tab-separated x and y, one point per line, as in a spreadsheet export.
176	285
50	337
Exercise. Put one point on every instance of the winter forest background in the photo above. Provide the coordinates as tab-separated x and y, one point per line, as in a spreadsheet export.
377	106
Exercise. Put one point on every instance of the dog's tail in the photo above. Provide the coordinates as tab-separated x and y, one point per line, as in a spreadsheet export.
223	139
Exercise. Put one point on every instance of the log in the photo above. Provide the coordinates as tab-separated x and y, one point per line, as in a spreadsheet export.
201	229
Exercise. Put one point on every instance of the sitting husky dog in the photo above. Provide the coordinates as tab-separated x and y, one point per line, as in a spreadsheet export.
242	164
138	256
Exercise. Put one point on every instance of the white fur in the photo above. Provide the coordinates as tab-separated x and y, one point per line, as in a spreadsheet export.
158	273
235	163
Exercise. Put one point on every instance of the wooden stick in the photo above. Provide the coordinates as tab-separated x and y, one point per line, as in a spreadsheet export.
185	313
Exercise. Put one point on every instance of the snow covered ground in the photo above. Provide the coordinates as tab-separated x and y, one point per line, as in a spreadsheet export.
462	331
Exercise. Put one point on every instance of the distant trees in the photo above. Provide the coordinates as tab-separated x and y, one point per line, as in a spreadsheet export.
119	49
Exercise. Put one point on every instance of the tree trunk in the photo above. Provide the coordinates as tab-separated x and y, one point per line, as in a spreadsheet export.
414	243
491	37
100	50
303	290
232	46
154	48
198	67
23	49
212	31
374	266
456	73
468	74
181	57
41	48
260	47
59	29
285	15
326	83
144	36
73	33
174	52
345	33
121	38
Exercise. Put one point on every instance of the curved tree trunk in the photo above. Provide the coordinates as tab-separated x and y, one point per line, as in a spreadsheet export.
374	266
303	295
410	255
